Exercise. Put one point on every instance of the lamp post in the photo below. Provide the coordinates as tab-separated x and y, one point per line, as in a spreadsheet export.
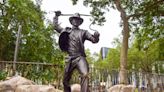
16	49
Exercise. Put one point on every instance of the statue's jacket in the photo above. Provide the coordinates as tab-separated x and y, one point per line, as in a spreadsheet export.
71	40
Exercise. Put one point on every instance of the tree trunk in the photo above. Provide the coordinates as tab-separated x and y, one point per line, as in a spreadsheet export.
124	47
124	52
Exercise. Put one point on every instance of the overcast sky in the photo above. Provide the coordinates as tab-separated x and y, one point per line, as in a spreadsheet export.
108	32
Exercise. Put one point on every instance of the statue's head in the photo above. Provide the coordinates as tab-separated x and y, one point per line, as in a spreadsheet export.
76	20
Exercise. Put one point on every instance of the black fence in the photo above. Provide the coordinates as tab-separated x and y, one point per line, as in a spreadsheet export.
100	79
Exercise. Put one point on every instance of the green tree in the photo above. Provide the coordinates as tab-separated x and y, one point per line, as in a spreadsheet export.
37	43
37	39
147	58
113	59
13	14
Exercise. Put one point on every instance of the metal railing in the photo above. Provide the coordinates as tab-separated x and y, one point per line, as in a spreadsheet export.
41	73
103	79
100	79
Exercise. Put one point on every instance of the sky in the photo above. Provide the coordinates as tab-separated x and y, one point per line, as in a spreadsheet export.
108	32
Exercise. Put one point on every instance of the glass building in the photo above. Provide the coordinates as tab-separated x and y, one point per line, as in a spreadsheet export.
104	52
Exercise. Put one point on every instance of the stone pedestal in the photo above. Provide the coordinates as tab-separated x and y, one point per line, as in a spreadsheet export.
11	84
36	88
20	84
75	88
122	88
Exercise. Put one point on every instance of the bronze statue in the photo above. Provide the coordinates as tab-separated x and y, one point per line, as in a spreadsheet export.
71	40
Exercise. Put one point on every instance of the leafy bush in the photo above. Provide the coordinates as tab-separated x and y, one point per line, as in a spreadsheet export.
3	75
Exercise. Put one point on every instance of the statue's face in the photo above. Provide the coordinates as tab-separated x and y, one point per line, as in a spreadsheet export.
75	22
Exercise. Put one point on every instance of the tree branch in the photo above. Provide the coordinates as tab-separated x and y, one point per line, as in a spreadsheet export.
148	8
135	15
120	9
161	12
156	2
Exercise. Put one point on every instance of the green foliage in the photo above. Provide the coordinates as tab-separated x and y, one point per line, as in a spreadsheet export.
138	59
3	75
147	58
14	13
155	50
98	9
37	41
39	73
91	58
101	65
111	62
113	59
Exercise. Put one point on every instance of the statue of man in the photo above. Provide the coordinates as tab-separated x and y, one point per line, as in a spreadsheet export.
71	41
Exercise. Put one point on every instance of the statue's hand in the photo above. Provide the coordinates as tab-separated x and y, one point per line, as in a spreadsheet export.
57	13
96	34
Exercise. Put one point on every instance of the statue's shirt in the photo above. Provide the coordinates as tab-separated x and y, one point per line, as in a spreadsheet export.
76	42
72	41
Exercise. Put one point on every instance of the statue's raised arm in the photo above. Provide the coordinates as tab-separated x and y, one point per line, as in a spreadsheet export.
56	25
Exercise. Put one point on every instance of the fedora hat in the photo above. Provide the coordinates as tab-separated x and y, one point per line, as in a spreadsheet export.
76	16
